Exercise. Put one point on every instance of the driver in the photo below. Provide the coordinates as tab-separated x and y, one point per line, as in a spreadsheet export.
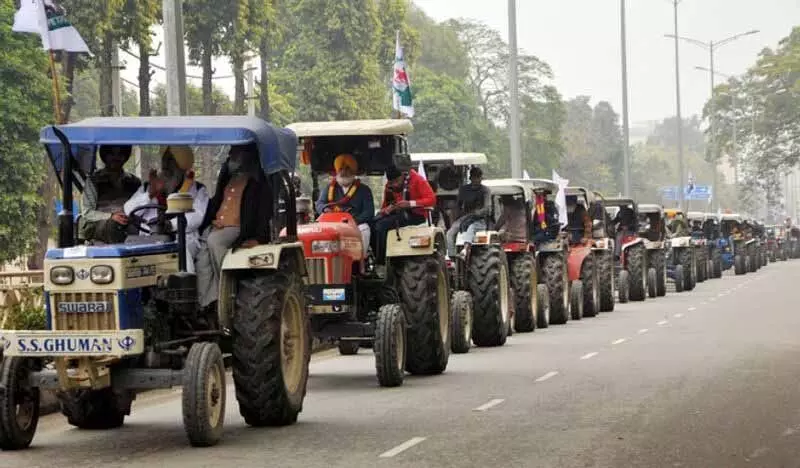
238	215
347	193
625	221
578	220
403	190
176	175
513	219
474	205
102	216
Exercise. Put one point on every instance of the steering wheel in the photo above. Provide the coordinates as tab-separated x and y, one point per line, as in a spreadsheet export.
327	208
137	222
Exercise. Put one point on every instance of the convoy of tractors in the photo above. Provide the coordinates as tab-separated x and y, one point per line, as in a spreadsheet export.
124	318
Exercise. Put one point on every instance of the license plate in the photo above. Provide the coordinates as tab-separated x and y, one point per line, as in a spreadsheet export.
333	294
84	307
48	343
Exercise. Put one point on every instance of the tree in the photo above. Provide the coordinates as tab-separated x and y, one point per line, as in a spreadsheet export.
205	25
542	121
443	51
26	95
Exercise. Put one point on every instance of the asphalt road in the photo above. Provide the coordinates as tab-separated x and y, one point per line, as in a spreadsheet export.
706	379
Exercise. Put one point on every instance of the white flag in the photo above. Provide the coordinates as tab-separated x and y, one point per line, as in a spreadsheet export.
50	22
561	198
525	174
421	170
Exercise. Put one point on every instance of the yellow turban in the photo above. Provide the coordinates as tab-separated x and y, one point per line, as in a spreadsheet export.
345	160
183	156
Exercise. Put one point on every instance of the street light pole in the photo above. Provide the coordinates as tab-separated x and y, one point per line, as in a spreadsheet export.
625	123
514	125
678	105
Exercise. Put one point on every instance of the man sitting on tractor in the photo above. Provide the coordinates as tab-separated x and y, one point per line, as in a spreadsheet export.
176	175
102	216
579	222
238	216
474	205
513	218
545	220
405	198
346	193
625	222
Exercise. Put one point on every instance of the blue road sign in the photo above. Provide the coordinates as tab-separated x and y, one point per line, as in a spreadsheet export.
698	192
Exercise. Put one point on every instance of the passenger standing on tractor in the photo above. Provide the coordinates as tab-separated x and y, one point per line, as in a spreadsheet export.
474	206
104	195
238	215
405	198
346	193
176	176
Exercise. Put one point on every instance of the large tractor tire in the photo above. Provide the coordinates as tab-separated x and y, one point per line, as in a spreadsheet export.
702	273
461	325
524	281
624	286
652	282
95	409
636	259
680	278
271	348
425	293
204	395
542	306
19	404
739	265
576	300
554	271
716	260
591	288
661	274
687	262
488	280
605	265
348	347
390	345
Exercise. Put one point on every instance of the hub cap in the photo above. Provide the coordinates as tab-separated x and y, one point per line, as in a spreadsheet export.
214	396
293	344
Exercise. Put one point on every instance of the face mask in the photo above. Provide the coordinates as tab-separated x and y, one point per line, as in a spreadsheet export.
345	181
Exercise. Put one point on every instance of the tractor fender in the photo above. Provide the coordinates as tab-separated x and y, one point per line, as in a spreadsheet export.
414	241
632	243
575	261
679	242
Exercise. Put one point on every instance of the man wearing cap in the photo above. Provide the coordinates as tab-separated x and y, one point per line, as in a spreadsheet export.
405	198
102	214
176	175
475	206
346	193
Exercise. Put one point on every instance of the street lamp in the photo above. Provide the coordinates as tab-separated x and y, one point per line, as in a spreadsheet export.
678	106
711	47
625	123
514	124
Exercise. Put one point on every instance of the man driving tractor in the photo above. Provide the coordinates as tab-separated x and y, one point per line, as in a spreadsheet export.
474	206
405	198
625	223
578	220
238	215
176	175
102	216
513	219
346	193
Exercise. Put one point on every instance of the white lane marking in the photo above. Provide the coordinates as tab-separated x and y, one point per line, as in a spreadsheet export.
690	309
490	404
402	447
589	355
720	295
643	331
663	322
619	341
713	299
547	376
678	315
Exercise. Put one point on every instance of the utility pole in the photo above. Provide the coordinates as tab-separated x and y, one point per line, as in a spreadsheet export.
678	105
714	150
116	84
251	92
514	130
175	56
625	123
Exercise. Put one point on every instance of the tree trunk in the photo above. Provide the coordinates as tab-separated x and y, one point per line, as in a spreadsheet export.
68	60
44	219
237	64
208	96
263	98
144	80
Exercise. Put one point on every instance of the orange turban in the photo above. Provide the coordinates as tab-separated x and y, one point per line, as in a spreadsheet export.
345	160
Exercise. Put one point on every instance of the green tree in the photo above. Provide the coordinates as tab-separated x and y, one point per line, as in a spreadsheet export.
26	95
204	26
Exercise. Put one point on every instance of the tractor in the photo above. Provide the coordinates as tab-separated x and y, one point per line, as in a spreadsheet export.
711	232
446	173
653	229
402	307
123	318
772	245
751	244
696	221
681	259
582	263
603	245
735	252
630	250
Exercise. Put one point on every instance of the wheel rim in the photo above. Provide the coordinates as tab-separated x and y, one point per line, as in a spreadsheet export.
293	344
466	314
443	303
400	339
504	293
534	299
214	395
565	282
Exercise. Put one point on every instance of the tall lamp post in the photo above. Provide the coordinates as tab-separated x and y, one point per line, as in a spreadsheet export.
678	106
514	125
625	122
711	47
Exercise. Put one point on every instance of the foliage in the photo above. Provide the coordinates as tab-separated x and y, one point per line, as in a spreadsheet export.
28	313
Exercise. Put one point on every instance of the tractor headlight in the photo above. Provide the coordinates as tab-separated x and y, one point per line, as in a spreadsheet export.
62	275
325	246
419	241
101	274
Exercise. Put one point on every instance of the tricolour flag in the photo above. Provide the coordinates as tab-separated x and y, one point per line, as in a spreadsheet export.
48	20
401	85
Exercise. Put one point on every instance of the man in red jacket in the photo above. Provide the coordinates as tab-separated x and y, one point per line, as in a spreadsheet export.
405	198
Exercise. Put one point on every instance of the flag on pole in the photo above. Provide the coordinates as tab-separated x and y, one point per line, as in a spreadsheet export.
561	197
525	174
690	185
402	99
421	170
48	20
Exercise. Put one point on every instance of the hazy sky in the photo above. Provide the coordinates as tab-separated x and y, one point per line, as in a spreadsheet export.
580	40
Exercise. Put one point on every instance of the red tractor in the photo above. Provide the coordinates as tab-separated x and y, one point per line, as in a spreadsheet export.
403	308
582	265
630	249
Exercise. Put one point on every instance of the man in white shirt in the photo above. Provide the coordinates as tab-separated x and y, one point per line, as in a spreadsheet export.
176	175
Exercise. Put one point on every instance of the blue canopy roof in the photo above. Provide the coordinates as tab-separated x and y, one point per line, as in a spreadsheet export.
277	146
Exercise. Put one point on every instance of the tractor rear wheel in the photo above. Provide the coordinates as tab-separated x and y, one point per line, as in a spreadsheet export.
605	264
680	278
523	280
636	266
624	286
488	280
576	300
554	271
542	306
652	282
591	288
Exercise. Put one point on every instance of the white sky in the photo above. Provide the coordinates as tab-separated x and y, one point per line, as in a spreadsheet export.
580	40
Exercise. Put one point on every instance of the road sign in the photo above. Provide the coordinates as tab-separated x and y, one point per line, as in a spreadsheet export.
698	192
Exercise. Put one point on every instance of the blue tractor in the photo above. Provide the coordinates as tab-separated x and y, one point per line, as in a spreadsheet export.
123	318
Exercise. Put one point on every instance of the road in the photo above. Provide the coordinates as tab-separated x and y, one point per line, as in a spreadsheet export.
702	379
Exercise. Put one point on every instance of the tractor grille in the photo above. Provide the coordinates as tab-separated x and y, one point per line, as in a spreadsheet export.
84	320
336	265
316	270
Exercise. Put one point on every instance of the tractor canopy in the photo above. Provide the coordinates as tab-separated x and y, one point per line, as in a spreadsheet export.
652	224
447	172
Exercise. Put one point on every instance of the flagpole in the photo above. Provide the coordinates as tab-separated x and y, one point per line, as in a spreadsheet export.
56	89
